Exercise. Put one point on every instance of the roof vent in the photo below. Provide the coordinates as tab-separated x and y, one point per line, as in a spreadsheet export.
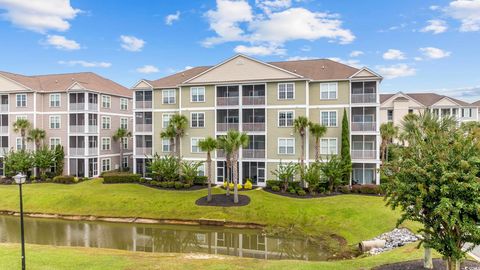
183	74
295	70
323	67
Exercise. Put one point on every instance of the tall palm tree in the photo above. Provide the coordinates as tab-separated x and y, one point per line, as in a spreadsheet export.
300	125
179	123
226	146
36	135
120	135
317	131
388	132
22	126
208	145
237	140
169	133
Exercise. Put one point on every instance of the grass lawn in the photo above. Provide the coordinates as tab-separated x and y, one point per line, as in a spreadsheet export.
52	258
353	217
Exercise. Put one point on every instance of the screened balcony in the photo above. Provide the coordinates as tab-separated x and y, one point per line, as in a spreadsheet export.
143	122
77	101
227	119
364	92
143	99
364	119
364	173
256	147
253	119
228	95
4	124
4	103
143	145
364	147
77	146
253	94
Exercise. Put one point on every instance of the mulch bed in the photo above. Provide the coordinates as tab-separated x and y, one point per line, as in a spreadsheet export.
418	264
317	195
192	188
223	200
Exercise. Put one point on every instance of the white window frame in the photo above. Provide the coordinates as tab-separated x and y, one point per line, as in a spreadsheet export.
54	144
56	124
326	88
21	117
329	141
164	115
124	119
467	115
286	146
329	118
21	101
18	143
166	94
286	86
53	102
191	120
197	94
388	116
124	142
108	145
166	143
106	102
125	162
109	163
197	139
123	104
201	170
286	119
109	122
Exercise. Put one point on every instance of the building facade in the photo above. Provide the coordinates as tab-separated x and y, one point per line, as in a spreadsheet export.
262	99
80	111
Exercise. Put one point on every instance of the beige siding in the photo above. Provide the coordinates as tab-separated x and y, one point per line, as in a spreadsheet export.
158	101
12	101
332	132
281	132
300	94
343	94
209	97
207	131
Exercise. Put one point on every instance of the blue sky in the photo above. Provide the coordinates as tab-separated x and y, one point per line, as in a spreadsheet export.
417	45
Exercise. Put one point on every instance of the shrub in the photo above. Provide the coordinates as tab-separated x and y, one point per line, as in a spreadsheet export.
231	186
248	185
321	190
164	168
276	188
292	191
186	186
64	179
239	186
271	183
142	180
190	170
164	184
171	184
154	183
367	189
301	192
344	189
178	185
200	180
120	177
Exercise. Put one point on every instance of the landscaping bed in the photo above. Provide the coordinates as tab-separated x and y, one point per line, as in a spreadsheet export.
223	200
418	265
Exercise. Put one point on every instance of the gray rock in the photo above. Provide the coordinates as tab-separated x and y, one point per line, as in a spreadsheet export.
393	239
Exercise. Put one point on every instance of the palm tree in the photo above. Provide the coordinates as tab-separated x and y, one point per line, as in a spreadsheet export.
179	123
224	145
169	133
22	126
208	145
236	140
387	131
317	131
120	135
36	135
300	125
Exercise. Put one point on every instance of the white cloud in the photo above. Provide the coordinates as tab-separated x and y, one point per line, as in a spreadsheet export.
305	48
271	5
434	53
418	58
147	69
131	43
350	62
172	18
259	50
188	67
62	43
435	26
39	16
393	54
396	71
356	53
85	63
434	7
296	58
467	12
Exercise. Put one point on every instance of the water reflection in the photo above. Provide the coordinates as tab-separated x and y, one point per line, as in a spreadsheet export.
162	238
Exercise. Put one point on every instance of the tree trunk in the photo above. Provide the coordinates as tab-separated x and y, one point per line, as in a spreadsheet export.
302	162
235	178
121	154
177	150
453	264
209	169
228	176
172	146
427	259
386	153
317	148
23	139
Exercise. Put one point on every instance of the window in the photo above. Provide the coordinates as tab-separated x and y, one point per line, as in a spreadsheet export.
198	120
123	104
54	121
285	118
467	112
18	143
197	94
106	122
54	142
329	118
168	96
328	146
106	143
166	145
124	162
20	117
328	90
194	144
390	115
106	164
166	119
106	101
21	100
286	91
54	100
124	122
125	143
286	146
201	170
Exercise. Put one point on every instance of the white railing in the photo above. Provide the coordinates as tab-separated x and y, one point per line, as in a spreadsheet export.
92	151
253	153
253	100
143	151
227	101
364	154
77	151
4	129
93	106
226	126
92	129
364	126
364	98
77	129
143	104
3	107
143	127
253	126
77	106
3	151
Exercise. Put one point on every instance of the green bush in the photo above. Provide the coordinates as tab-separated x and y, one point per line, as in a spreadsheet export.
64	179
164	168
292	191
171	184
120	177
164	184
154	183
301	192
321	190
178	185
186	186
367	189
276	188
271	183
344	189
200	180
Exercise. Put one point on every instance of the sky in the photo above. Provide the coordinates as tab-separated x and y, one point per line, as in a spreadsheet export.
417	46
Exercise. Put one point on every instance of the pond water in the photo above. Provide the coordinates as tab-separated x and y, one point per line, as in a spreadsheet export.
167	238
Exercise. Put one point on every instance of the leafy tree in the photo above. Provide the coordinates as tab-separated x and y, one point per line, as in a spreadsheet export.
36	135
285	173
300	125
169	133
312	176
190	170
236	140
22	126
43	159
334	169
120	135
317	132
59	159
179	123
345	148
227	147
164	168
435	183
388	132
209	145
18	161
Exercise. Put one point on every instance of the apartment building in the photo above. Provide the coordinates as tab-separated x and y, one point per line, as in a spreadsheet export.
80	111
395	106
262	99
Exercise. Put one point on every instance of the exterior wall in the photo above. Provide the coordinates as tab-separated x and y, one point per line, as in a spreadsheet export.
299	98
186	100
207	131
158	102
343	94
332	132
281	132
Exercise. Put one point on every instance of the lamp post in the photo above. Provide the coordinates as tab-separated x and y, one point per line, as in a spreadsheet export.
20	179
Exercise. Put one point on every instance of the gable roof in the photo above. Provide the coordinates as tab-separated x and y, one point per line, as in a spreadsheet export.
63	82
476	103
426	99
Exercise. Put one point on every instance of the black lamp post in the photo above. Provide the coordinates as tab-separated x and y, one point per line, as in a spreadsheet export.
20	179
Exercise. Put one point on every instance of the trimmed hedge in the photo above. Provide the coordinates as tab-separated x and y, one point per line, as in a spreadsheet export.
64	179
200	180
367	189
120	177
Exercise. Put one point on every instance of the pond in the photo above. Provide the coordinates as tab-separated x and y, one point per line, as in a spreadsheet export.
169	238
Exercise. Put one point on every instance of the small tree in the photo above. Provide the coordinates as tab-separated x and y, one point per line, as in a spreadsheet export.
169	133
317	132
190	170
345	148
179	123
300	125
333	169
286	173
164	168
236	140
36	135
19	161
312	176
44	158
22	126
59	159
120	135
209	145
388	132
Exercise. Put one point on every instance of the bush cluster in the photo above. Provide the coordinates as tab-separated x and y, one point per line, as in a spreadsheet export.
120	177
362	189
65	179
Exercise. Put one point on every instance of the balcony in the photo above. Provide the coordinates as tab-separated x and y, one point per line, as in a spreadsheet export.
92	129
143	127
93	107
92	151
363	154
77	106
364	126
224	127
227	101
253	126
143	151
253	153
77	129
253	100
364	98
77	151
3	107
3	129
143	104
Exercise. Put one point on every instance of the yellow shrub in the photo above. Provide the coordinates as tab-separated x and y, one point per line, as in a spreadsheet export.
231	186
224	184
248	185
239	186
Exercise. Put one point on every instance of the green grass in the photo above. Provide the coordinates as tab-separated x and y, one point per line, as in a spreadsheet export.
353	217
53	258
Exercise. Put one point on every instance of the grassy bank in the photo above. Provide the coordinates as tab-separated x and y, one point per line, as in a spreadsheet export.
46	257
353	217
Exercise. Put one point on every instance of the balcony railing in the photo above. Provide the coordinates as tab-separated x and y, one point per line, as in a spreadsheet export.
143	104
364	126
364	154
227	101
77	129
77	106
77	151
92	129
364	98
253	153
143	127
253	126
143	151
93	106
3	107
92	151
253	100
226	126
3	151
4	129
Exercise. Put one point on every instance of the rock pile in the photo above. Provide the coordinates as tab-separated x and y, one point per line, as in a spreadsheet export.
394	239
